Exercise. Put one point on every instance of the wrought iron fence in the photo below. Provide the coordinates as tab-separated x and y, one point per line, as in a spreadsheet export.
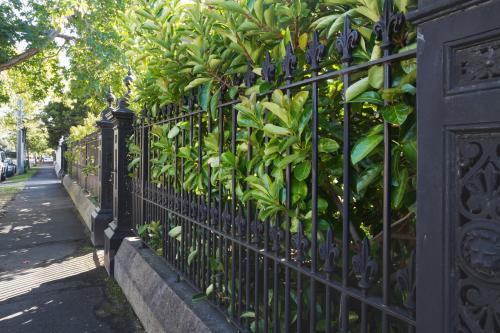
83	165
279	270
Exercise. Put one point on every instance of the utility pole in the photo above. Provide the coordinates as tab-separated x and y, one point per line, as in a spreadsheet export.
20	137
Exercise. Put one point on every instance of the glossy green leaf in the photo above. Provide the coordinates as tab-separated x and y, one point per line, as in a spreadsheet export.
191	256
371	97
376	76
302	170
277	111
399	193
327	145
364	147
396	114
175	231
173	132
367	178
272	130
196	82
356	89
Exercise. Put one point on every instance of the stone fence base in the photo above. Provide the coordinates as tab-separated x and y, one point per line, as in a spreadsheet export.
162	303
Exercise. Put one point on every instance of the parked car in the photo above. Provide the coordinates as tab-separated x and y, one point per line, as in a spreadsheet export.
11	168
48	159
3	166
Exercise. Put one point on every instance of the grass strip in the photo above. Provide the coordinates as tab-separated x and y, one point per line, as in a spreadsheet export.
13	185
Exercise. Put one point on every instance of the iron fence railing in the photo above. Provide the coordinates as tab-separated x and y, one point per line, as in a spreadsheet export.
286	273
83	165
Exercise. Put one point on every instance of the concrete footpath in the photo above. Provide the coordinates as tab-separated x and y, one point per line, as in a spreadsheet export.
51	278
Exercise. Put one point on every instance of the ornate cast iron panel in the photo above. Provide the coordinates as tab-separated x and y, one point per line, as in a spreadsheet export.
458	220
474	63
477	243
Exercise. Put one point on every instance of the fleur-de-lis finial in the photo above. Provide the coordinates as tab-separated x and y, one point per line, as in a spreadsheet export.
329	252
258	229
347	41
250	77
407	282
390	22
203	210
315	52
277	235
240	223
110	98
193	208
214	215
226	218
301	243
268	69
289	62
364	266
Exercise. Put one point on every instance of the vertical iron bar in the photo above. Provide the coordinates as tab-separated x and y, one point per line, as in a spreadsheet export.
211	250
344	311
248	235
314	203
387	213
221	223
233	213
288	179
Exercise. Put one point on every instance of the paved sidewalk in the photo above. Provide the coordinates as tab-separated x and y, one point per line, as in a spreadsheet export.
51	278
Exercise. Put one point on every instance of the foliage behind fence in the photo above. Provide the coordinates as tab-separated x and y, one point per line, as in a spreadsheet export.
82	157
285	193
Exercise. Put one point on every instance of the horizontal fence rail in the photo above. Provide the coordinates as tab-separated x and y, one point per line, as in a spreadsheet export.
82	157
280	252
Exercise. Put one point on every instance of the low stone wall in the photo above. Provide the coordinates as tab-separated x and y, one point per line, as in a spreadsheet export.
162	303
80	198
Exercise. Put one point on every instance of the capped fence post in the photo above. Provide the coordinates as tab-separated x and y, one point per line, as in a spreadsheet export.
121	226
458	201
103	214
64	161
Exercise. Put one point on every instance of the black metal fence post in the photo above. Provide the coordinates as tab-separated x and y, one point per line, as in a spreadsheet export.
458	221
64	160
121	226
104	212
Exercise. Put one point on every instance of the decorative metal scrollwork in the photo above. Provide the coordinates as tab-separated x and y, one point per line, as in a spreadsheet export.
479	250
481	184
329	252
315	52
250	77
407	283
289	62
477	238
301	243
347	41
477	63
268	69
391	22
364	266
